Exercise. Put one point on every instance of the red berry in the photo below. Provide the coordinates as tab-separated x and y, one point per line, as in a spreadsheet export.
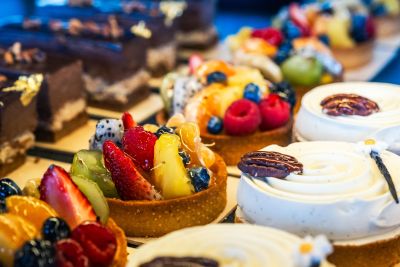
274	112
139	144
370	27
271	35
195	61
69	253
299	18
97	241
242	118
58	190
128	121
129	182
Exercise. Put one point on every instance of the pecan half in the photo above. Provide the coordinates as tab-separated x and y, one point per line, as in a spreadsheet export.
261	164
348	104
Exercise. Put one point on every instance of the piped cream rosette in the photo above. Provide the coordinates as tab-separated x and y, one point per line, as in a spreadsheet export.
341	193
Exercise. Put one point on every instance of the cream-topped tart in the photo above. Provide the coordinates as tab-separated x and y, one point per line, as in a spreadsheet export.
363	109
337	189
233	245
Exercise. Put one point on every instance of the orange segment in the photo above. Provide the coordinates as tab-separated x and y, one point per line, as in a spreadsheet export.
259	46
30	208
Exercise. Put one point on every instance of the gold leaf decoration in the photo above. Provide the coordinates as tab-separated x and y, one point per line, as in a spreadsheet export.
141	30
172	10
28	85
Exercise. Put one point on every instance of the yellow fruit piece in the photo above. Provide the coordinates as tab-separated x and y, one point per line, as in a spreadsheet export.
30	208
338	33
245	75
236	41
259	46
170	175
320	25
32	188
150	128
326	78
212	66
14	232
206	155
392	6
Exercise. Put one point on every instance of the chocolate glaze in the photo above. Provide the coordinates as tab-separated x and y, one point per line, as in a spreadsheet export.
262	164
348	104
199	15
181	262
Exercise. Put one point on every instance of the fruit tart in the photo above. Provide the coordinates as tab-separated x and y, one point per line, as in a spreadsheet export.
386	15
156	179
59	220
236	109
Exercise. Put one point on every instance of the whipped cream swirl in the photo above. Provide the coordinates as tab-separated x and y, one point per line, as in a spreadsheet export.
312	124
341	193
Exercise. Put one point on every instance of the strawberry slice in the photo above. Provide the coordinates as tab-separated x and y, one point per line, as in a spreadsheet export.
130	184
139	144
299	18
128	121
60	192
195	61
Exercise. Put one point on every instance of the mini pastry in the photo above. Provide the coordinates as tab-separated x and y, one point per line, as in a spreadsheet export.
58	220
386	14
61	104
233	245
236	109
346	191
164	177
350	111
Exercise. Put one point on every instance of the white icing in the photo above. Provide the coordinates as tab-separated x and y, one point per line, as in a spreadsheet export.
229	244
313	125
391	136
341	193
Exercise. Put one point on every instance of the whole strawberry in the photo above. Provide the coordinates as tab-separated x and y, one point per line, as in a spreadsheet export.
139	144
275	112
130	184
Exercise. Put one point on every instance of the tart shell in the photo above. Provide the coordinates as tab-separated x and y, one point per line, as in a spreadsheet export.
156	218
121	255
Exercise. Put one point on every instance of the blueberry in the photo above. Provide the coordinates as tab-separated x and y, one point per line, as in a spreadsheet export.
216	77
291	31
215	125
252	92
185	157
284	52
285	91
164	129
200	178
324	38
359	27
379	10
35	253
8	188
326	8
55	229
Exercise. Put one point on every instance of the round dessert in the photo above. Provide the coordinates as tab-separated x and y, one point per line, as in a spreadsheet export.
350	111
346	191
163	177
236	109
386	14
390	136
216	245
58	220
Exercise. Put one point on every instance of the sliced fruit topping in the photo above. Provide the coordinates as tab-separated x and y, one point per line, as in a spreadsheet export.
164	129
55	229
252	92
58	190
338	29
299	18
31	188
128	121
35	253
259	46
130	184
195	61
89	164
200	178
30	208
206	155
95	196
216	77
215	125
170	173
69	253
271	35
150	128
14	231
274	112
242	118
302	71
189	134
107	129
7	188
139	144
212	66
98	242
176	120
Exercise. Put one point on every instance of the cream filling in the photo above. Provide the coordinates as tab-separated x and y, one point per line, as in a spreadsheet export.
162	55
312	124
341	193
231	245
68	112
196	37
18	146
100	90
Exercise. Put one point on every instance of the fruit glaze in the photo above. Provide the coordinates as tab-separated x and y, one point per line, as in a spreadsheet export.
215	245
313	122
328	183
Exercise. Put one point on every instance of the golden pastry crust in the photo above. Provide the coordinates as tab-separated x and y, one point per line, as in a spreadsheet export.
354	57
121	255
156	218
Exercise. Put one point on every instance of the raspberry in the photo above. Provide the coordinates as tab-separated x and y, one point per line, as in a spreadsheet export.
271	35
69	253
139	144
242	118
97	241
275	112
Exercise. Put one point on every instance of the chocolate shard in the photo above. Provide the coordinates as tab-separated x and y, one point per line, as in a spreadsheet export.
348	104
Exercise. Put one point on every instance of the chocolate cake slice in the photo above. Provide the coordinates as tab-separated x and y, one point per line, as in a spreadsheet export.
113	59
61	101
18	119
